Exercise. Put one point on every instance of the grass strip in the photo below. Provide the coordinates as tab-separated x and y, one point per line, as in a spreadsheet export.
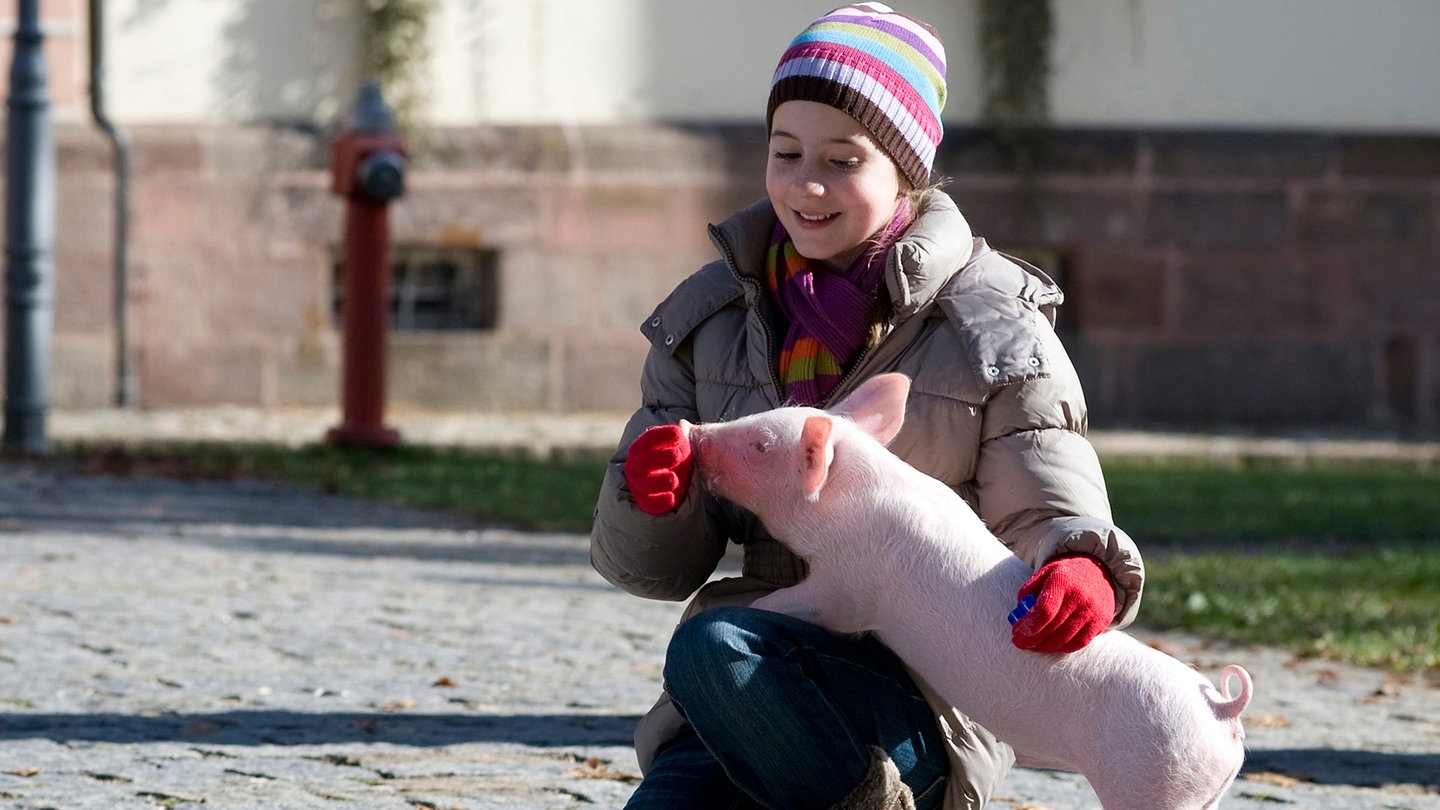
552	493
1265	503
1375	607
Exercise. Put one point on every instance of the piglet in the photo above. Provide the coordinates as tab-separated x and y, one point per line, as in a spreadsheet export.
897	553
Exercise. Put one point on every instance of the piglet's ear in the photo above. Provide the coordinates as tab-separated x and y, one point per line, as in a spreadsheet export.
816	452
878	405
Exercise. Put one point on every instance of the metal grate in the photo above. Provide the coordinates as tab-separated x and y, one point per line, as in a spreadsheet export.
436	288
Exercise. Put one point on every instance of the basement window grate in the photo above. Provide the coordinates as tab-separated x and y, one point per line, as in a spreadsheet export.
435	289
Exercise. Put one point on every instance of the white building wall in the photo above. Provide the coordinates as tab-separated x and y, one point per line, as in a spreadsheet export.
214	61
1306	64
1288	64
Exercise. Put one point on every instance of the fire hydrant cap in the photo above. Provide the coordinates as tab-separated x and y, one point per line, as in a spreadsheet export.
382	175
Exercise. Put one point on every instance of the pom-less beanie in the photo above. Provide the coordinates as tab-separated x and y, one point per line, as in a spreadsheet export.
883	69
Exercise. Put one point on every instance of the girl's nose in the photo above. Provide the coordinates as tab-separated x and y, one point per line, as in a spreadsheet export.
808	184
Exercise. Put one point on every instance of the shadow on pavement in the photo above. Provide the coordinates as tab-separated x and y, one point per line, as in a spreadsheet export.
1330	766
78	503
535	550
1323	766
281	728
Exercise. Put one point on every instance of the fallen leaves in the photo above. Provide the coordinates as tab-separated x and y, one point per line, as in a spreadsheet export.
1267	721
1392	687
597	768
1155	644
1272	778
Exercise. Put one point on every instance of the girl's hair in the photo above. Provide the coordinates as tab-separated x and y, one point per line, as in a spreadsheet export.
884	240
919	195
915	200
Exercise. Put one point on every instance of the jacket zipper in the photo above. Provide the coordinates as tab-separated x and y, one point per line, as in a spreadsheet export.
840	387
771	363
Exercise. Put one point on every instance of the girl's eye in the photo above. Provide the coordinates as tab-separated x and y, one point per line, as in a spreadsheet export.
787	156
846	163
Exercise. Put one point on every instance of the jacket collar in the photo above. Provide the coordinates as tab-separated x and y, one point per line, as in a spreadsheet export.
937	246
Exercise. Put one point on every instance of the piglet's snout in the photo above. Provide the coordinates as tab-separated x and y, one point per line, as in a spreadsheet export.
700	452
693	435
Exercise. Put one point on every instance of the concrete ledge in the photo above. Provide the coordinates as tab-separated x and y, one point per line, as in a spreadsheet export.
600	431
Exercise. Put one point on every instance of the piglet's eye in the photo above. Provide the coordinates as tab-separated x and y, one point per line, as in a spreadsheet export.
762	446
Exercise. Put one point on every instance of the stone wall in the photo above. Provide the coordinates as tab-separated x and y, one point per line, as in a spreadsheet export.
1259	280
1216	279
234	233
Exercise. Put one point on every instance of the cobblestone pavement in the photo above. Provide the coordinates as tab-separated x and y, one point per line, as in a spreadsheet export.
244	645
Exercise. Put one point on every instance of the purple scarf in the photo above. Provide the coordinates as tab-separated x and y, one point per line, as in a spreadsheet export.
827	314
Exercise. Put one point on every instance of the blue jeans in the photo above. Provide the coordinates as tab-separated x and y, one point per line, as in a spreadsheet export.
784	713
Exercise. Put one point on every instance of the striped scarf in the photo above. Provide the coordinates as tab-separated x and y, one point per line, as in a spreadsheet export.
826	315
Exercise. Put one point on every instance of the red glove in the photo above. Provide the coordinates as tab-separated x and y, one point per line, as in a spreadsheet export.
657	468
1073	603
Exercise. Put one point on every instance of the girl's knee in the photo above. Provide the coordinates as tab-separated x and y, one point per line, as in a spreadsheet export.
708	632
709	651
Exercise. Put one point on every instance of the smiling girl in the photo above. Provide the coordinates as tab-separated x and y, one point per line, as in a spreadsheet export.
854	264
831	186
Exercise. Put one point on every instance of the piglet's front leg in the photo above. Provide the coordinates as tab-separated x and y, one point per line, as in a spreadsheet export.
796	600
810	600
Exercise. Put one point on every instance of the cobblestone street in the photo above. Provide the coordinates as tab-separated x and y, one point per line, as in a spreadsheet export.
245	645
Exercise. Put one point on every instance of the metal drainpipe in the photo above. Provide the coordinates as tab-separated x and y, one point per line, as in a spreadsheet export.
125	382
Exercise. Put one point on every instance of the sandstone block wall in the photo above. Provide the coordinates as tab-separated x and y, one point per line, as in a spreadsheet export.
1263	280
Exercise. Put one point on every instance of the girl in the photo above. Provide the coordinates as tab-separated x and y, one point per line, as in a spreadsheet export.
853	265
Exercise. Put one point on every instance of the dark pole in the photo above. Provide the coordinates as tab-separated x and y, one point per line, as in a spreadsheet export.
29	238
125	382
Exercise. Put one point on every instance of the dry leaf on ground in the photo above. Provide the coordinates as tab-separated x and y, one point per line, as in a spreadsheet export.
597	768
1267	721
1272	778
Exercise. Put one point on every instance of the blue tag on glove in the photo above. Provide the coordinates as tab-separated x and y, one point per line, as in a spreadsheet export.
1022	609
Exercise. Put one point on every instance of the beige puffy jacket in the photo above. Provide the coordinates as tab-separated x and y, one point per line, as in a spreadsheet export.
995	411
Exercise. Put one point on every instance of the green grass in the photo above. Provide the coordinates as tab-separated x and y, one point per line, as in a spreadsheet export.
1357	503
1375	606
1335	561
555	493
1342	562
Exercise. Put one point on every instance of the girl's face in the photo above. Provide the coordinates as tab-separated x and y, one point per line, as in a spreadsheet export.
831	185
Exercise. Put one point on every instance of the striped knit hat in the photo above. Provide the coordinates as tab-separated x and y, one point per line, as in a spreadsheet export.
883	69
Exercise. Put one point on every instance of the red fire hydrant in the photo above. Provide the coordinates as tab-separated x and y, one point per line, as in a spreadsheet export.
368	163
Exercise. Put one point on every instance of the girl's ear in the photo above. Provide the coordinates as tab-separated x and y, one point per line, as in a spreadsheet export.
878	405
816	453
